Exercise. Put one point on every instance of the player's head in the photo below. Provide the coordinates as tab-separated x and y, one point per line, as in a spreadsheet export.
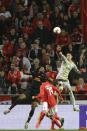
69	56
13	66
41	69
48	68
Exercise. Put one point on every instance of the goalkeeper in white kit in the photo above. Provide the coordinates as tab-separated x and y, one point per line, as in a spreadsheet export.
62	77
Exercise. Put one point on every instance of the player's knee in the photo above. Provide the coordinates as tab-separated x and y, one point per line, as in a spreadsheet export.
22	96
34	104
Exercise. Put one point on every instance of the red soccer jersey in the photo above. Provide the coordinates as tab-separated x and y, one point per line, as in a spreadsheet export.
47	94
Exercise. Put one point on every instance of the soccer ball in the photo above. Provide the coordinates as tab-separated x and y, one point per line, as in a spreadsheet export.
57	30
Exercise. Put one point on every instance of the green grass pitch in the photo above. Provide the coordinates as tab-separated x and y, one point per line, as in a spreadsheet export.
44	130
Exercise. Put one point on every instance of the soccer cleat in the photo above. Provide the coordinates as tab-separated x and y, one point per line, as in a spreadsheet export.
37	125
62	122
26	125
61	128
6	112
76	109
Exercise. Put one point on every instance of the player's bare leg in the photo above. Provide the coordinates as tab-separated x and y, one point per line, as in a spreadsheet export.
19	99
33	106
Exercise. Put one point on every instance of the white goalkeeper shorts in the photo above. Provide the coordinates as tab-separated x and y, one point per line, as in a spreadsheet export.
65	84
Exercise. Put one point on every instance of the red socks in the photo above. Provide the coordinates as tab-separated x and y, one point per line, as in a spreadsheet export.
41	116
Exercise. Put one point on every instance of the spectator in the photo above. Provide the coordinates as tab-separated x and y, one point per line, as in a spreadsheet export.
63	39
18	43
83	58
55	18
7	49
3	83
27	40
26	63
35	65
23	49
50	50
35	51
28	28
13	36
33	10
14	79
81	88
42	33
76	36
74	20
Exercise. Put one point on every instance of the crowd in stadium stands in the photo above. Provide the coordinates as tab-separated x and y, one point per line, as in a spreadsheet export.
28	42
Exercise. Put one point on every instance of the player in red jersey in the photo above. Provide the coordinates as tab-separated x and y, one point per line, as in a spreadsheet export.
49	104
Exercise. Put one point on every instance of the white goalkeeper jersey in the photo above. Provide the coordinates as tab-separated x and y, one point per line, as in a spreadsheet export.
65	69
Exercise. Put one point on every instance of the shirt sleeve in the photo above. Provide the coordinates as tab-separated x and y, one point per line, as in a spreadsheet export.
57	90
64	58
75	68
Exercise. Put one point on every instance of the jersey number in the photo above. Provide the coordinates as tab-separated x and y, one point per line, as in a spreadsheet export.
50	89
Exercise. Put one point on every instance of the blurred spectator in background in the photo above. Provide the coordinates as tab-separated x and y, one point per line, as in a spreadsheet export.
3	83
23	49
26	63
43	33
5	20
81	88
14	80
7	49
35	64
74	20
83	58
50	50
33	10
63	39
35	51
18	43
28	28
13	35
55	17
76	36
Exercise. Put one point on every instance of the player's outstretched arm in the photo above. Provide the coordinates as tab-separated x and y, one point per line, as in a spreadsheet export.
60	53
